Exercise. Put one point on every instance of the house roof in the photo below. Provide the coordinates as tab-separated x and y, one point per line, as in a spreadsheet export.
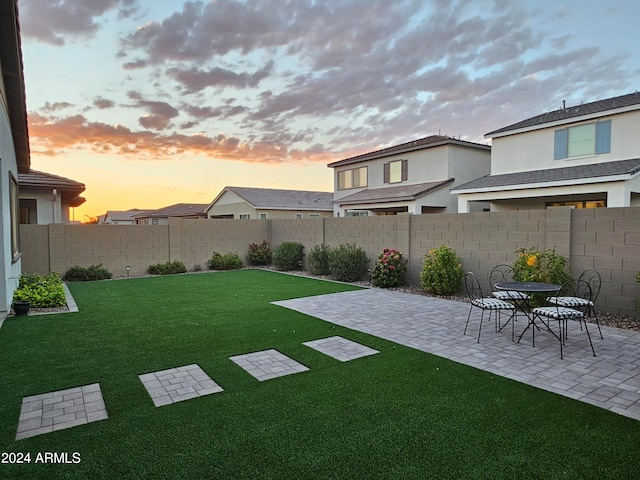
275	199
177	210
123	215
628	101
393	194
596	172
69	189
420	144
13	78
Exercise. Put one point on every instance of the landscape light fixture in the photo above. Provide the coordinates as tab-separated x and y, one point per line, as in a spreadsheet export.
128	268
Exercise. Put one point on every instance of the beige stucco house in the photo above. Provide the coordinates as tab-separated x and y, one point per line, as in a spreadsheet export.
247	203
584	156
14	150
413	177
179	210
47	198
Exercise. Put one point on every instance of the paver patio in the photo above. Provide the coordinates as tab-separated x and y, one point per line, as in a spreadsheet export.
268	364
48	412
610	380
341	348
178	384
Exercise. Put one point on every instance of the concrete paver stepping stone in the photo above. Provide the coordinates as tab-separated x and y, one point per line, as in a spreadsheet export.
178	384
48	412
268	364
341	348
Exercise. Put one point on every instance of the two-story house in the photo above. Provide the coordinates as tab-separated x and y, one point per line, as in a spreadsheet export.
584	156
413	177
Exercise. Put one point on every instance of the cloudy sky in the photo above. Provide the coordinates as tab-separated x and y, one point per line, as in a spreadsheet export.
155	102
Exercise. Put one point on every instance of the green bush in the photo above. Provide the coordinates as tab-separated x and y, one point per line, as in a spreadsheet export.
441	271
169	268
318	260
259	253
288	256
534	266
348	262
228	261
87	274
41	291
390	269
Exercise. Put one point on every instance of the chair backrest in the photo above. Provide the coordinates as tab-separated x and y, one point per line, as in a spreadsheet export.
472	285
500	273
593	278
576	288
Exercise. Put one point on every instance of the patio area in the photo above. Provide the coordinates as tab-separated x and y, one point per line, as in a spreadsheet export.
611	380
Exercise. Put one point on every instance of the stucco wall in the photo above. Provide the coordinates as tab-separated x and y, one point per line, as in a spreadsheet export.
605	239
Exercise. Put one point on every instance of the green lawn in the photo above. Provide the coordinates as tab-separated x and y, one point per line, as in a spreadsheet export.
398	414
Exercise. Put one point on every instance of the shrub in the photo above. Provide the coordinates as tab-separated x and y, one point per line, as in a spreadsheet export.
41	291
288	256
228	261
168	268
534	266
441	271
318	260
87	274
259	253
348	262
390	269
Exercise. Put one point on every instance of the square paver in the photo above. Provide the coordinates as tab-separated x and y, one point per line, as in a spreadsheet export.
340	348
48	412
268	364
177	384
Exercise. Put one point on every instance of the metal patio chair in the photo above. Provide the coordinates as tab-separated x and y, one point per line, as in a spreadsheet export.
474	292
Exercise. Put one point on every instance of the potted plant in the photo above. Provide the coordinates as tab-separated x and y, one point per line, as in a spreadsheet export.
21	307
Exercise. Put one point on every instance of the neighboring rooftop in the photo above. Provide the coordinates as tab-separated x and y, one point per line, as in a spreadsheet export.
595	171
177	210
393	194
68	189
615	103
122	215
426	142
275	199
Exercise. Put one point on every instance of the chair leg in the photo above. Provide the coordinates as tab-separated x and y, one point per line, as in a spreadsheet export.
468	318
480	329
595	315
589	335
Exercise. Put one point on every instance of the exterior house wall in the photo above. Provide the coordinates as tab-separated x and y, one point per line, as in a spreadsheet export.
10	268
533	150
48	208
604	239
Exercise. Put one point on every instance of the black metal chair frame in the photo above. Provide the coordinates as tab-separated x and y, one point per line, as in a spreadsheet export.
562	313
474	292
504	273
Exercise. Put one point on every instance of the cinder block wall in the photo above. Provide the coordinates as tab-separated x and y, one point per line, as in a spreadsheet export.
607	240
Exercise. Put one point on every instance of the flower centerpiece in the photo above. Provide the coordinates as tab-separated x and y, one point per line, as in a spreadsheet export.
390	269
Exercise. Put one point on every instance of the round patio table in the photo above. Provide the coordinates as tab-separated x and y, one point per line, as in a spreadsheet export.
523	305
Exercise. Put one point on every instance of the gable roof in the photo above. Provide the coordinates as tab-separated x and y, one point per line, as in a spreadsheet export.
420	144
177	210
630	101
13	78
276	199
123	215
597	172
399	193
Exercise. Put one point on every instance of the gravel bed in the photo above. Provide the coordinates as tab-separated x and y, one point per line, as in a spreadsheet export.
619	321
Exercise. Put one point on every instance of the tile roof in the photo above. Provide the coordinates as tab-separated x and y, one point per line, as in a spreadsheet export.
598	106
269	198
422	143
577	172
177	210
36	179
123	215
393	194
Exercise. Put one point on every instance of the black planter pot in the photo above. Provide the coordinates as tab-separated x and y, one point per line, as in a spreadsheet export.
21	308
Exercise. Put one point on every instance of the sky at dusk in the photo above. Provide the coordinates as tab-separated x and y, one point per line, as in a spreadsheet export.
156	102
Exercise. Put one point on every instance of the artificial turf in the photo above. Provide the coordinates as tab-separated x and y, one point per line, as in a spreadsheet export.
397	414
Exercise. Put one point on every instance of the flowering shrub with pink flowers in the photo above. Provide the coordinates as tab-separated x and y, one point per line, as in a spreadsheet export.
390	269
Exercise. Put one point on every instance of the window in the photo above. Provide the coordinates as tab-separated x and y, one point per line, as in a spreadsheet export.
357	213
298	215
396	171
579	204
589	139
314	215
263	216
244	216
14	205
154	221
28	211
354	178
